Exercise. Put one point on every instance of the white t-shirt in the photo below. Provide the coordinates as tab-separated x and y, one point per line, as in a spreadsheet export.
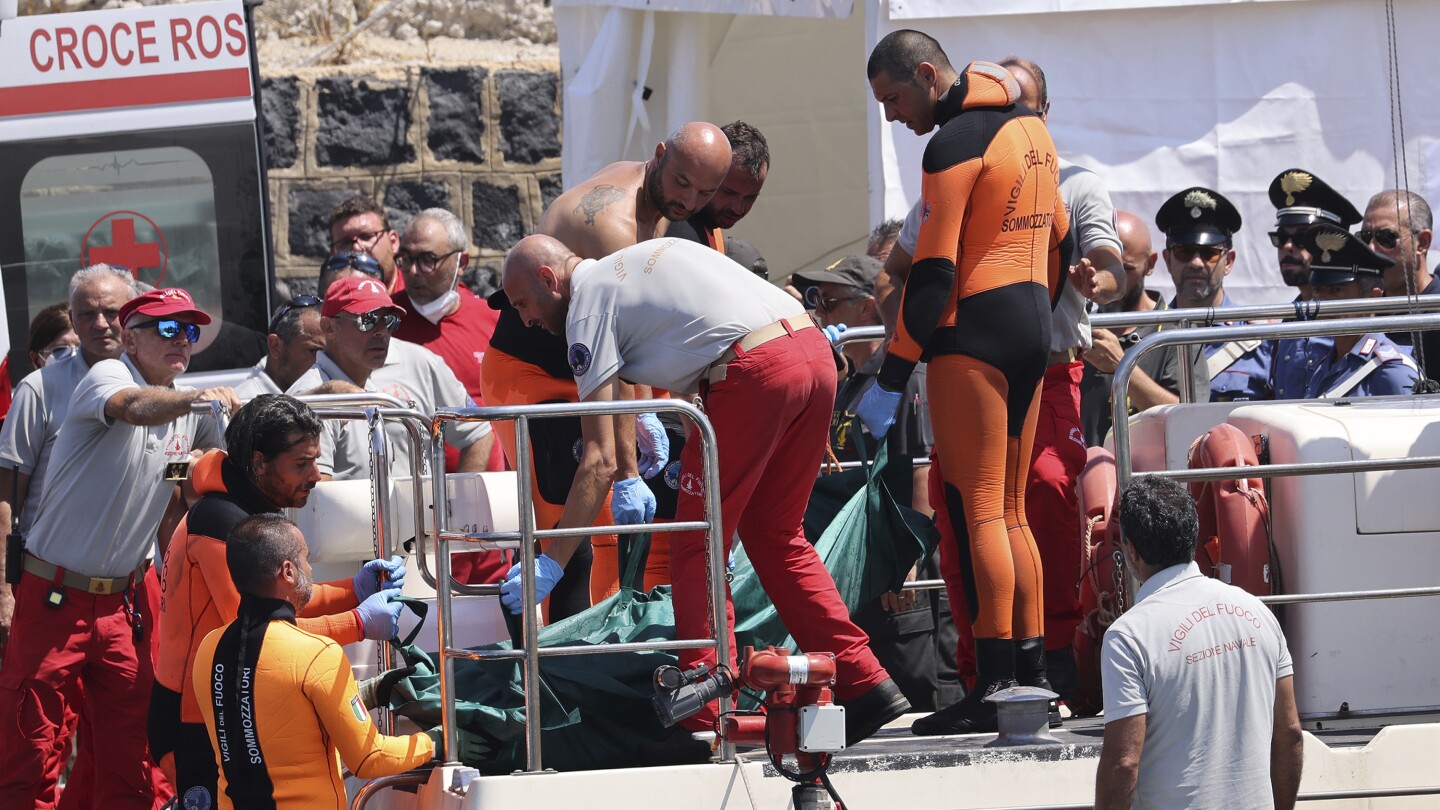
33	424
661	312
1201	659
106	489
412	374
257	383
1092	222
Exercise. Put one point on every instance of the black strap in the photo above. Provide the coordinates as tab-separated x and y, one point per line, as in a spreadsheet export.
420	608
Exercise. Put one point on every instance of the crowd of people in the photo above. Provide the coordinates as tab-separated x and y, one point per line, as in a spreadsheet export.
134	613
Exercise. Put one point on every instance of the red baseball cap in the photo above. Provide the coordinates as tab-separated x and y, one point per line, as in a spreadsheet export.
357	295
166	301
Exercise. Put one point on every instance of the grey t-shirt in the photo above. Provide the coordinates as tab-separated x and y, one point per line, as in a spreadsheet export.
106	490
1201	659
257	383
31	427
412	374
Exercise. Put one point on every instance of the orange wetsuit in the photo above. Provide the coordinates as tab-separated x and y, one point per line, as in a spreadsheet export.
977	306
282	711
198	597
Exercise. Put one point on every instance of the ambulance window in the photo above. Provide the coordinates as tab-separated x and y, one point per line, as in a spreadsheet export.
150	210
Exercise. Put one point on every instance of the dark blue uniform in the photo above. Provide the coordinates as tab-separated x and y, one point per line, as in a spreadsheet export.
1247	376
1374	367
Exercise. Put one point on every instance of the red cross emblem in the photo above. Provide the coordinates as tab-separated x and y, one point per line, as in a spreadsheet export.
125	248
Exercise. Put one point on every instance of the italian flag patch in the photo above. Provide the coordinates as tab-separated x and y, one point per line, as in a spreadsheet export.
358	709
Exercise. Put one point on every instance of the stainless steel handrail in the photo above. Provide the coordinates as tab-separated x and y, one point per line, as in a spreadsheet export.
367	791
857	334
1298	310
1316	796
1221	334
530	654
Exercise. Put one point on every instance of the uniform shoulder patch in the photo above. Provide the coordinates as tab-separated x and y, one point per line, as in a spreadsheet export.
580	358
1367	346
358	709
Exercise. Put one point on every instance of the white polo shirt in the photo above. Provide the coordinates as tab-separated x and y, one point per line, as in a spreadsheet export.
1201	659
257	383
38	410
661	312
106	490
412	374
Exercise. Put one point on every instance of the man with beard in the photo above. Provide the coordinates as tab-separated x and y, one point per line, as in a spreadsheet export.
268	465
1156	378
1199	226
280	703
749	163
622	204
1301	200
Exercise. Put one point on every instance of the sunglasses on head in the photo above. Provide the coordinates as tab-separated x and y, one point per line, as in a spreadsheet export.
170	329
298	302
1209	254
360	261
1384	237
376	317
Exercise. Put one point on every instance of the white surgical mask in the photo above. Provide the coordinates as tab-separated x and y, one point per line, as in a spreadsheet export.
440	307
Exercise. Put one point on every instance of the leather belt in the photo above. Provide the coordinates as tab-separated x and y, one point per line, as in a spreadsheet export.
755	340
70	579
1067	357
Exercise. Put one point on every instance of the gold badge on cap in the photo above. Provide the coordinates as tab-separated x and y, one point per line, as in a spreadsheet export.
1328	242
1198	199
1292	182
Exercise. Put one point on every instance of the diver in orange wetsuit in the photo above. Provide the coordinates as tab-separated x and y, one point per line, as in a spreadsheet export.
987	270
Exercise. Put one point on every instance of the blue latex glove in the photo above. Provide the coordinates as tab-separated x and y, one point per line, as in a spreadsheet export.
377	573
547	573
653	443
380	616
834	331
877	409
631	502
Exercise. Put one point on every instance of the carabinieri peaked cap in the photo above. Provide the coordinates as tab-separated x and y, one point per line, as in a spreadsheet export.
1197	216
1301	198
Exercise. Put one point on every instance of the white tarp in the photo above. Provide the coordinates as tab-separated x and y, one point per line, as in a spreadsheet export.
1155	98
1223	96
768	8
924	9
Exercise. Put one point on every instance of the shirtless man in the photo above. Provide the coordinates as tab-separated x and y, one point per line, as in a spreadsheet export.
622	204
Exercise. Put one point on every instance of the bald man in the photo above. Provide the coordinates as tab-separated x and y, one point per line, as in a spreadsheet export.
1156	379
622	204
674	314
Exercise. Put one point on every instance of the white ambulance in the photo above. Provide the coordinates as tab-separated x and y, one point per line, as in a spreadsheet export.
132	137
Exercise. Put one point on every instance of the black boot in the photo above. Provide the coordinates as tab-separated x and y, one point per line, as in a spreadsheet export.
1030	671
995	660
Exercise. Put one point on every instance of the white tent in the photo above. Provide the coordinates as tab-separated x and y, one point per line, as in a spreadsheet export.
1155	95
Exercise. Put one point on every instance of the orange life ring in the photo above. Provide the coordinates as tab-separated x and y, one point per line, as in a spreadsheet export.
1102	576
1234	543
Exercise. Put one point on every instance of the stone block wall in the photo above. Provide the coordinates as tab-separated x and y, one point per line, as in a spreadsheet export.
482	140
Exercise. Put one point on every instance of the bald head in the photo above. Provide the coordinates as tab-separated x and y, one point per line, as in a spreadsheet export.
1033	92
536	279
1137	254
687	169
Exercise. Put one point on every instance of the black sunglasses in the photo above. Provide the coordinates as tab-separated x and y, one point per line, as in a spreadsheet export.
1279	238
1384	237
377	317
423	261
363	262
1186	253
171	329
298	302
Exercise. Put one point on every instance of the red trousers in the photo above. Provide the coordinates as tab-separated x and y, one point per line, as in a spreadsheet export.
85	646
1050	509
771	416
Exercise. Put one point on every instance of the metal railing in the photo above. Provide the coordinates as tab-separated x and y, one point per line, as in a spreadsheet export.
1298	310
525	540
1314	796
